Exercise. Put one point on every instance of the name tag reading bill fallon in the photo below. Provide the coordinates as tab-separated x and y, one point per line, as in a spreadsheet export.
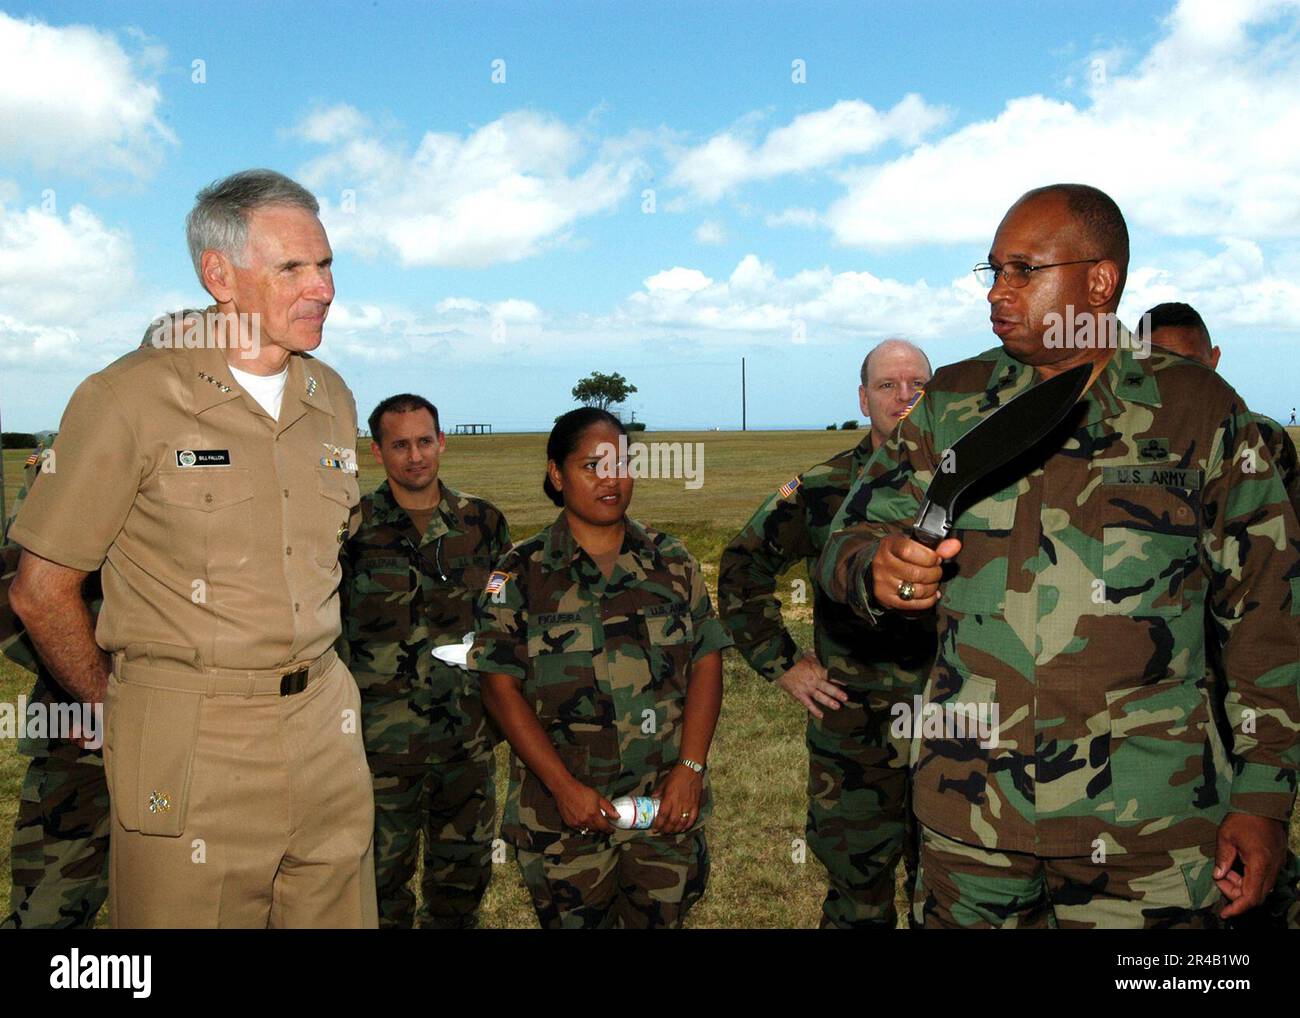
203	458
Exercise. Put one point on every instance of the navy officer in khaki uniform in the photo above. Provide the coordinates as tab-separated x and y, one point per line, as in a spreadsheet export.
212	475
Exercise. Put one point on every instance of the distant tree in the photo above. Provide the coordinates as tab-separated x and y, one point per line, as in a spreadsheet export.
635	426
602	391
830	427
19	440
849	426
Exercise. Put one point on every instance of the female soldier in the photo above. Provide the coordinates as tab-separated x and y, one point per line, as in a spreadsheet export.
603	667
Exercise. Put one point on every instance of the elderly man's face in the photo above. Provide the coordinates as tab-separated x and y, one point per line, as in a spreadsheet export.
894	375
1038	231
286	277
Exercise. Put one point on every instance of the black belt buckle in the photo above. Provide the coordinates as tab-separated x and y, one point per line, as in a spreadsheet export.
293	682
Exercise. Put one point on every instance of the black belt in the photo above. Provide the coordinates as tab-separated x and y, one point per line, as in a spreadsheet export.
293	682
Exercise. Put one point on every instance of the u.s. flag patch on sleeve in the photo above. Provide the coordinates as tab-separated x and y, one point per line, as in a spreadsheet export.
496	581
790	487
912	405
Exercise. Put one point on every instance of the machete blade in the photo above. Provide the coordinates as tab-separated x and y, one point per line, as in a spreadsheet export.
994	442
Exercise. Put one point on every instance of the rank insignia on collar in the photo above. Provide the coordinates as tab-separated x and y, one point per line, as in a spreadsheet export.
343	532
159	802
311	386
212	381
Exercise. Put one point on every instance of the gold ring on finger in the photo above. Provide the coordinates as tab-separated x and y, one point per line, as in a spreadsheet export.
906	591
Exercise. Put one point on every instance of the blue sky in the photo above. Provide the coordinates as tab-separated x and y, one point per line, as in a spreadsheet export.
648	191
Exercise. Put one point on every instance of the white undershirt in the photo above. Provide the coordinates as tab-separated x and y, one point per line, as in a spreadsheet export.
268	390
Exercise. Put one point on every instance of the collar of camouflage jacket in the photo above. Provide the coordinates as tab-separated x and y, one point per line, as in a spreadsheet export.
1127	379
446	520
561	549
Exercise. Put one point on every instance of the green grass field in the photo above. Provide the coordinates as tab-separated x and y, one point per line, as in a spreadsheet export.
759	763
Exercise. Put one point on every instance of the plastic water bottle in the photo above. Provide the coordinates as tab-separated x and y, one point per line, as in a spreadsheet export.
635	813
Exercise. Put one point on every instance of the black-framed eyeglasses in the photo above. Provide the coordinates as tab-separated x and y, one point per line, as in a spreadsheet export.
1017	273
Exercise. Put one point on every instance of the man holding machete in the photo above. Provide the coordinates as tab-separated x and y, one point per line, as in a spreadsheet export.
1070	605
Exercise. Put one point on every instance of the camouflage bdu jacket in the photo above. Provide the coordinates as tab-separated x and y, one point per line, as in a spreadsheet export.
1077	606
605	663
793	524
17	647
404	593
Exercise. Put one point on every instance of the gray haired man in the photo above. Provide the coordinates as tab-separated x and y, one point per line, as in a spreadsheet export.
212	475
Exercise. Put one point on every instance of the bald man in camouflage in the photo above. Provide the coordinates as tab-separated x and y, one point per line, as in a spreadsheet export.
858	816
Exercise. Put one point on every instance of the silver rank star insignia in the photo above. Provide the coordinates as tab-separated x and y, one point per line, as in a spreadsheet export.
343	532
212	381
159	802
311	386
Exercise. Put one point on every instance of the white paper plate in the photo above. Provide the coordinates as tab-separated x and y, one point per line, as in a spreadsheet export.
455	653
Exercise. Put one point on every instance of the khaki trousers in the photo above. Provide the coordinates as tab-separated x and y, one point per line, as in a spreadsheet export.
234	805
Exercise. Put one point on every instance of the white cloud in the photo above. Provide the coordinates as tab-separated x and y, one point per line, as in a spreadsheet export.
72	98
678	279
502	193
815	303
710	232
23	344
56	269
332	124
810	141
1201	138
1235	288
794	217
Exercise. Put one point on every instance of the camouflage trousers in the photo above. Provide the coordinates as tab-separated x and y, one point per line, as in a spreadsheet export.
439	786
644	882
860	823
962	886
59	854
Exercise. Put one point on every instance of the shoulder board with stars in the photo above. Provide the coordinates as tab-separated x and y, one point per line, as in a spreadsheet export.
790	487
496	581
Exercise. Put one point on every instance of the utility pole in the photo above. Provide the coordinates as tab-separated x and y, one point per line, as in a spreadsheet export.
743	420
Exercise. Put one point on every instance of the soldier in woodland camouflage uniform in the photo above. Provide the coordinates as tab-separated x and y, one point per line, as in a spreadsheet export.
59	854
859	823
411	576
1179	328
602	663
1074	602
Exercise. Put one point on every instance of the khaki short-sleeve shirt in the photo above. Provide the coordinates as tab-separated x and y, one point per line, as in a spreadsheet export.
218	529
